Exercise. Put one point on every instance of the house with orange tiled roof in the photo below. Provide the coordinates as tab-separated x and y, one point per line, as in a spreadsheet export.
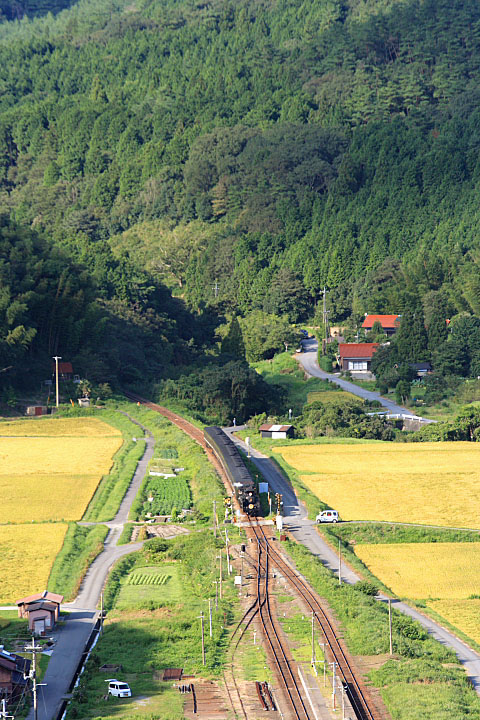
389	323
356	357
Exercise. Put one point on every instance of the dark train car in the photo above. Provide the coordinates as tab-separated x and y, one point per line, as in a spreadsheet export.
227	453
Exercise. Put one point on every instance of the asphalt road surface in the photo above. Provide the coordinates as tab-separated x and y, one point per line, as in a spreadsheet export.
308	358
72	637
303	530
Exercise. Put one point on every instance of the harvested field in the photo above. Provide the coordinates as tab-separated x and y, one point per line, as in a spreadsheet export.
432	483
333	397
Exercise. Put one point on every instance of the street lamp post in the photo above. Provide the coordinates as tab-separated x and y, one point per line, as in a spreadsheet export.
56	358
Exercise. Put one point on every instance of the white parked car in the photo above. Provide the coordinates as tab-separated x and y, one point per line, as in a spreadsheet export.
118	688
330	516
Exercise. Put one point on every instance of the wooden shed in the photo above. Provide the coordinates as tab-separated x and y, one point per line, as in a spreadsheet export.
276	432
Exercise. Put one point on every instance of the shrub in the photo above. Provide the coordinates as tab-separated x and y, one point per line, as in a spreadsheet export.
366	587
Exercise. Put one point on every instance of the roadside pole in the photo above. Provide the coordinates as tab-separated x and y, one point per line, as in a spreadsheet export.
33	648
3	712
390	624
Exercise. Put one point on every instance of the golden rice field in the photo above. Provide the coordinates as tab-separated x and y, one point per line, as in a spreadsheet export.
27	553
463	614
446	571
430	483
53	477
332	397
56	427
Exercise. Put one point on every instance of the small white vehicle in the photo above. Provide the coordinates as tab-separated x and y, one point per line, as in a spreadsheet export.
116	688
330	516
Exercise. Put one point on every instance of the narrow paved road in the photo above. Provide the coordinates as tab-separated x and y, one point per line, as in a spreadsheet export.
72	637
309	361
303	530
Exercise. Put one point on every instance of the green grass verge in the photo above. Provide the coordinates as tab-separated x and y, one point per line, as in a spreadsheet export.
126	535
112	488
80	548
419	660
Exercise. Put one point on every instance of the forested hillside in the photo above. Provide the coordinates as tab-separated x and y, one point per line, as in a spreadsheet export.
267	148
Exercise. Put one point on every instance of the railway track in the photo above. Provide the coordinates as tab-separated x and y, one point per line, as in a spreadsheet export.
355	688
276	648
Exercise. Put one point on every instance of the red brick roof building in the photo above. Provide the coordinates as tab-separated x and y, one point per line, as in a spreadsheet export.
356	357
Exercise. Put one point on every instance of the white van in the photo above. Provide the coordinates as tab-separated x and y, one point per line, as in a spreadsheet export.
330	516
118	689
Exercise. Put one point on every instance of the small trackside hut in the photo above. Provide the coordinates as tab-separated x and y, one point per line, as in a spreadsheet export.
276	432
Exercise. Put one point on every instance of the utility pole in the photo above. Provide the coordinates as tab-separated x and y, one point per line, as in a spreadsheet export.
216	288
33	648
229	568
215	582
203	638
3	712
339	563
219	557
314	659
325	321
214	518
56	358
334	664
101	612
210	615
390	624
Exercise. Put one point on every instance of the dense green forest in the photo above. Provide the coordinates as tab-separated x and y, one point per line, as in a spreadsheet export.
238	156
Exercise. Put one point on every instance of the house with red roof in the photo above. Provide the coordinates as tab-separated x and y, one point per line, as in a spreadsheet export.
65	370
356	357
389	323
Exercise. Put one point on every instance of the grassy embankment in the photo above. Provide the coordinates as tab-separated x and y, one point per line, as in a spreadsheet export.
154	598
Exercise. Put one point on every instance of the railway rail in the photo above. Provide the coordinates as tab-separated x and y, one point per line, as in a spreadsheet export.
355	688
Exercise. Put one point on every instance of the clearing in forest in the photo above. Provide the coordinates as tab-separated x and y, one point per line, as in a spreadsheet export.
425	483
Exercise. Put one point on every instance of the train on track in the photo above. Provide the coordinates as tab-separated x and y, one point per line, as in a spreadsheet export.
228	455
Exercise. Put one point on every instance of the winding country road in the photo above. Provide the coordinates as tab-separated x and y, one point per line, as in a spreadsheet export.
308	359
